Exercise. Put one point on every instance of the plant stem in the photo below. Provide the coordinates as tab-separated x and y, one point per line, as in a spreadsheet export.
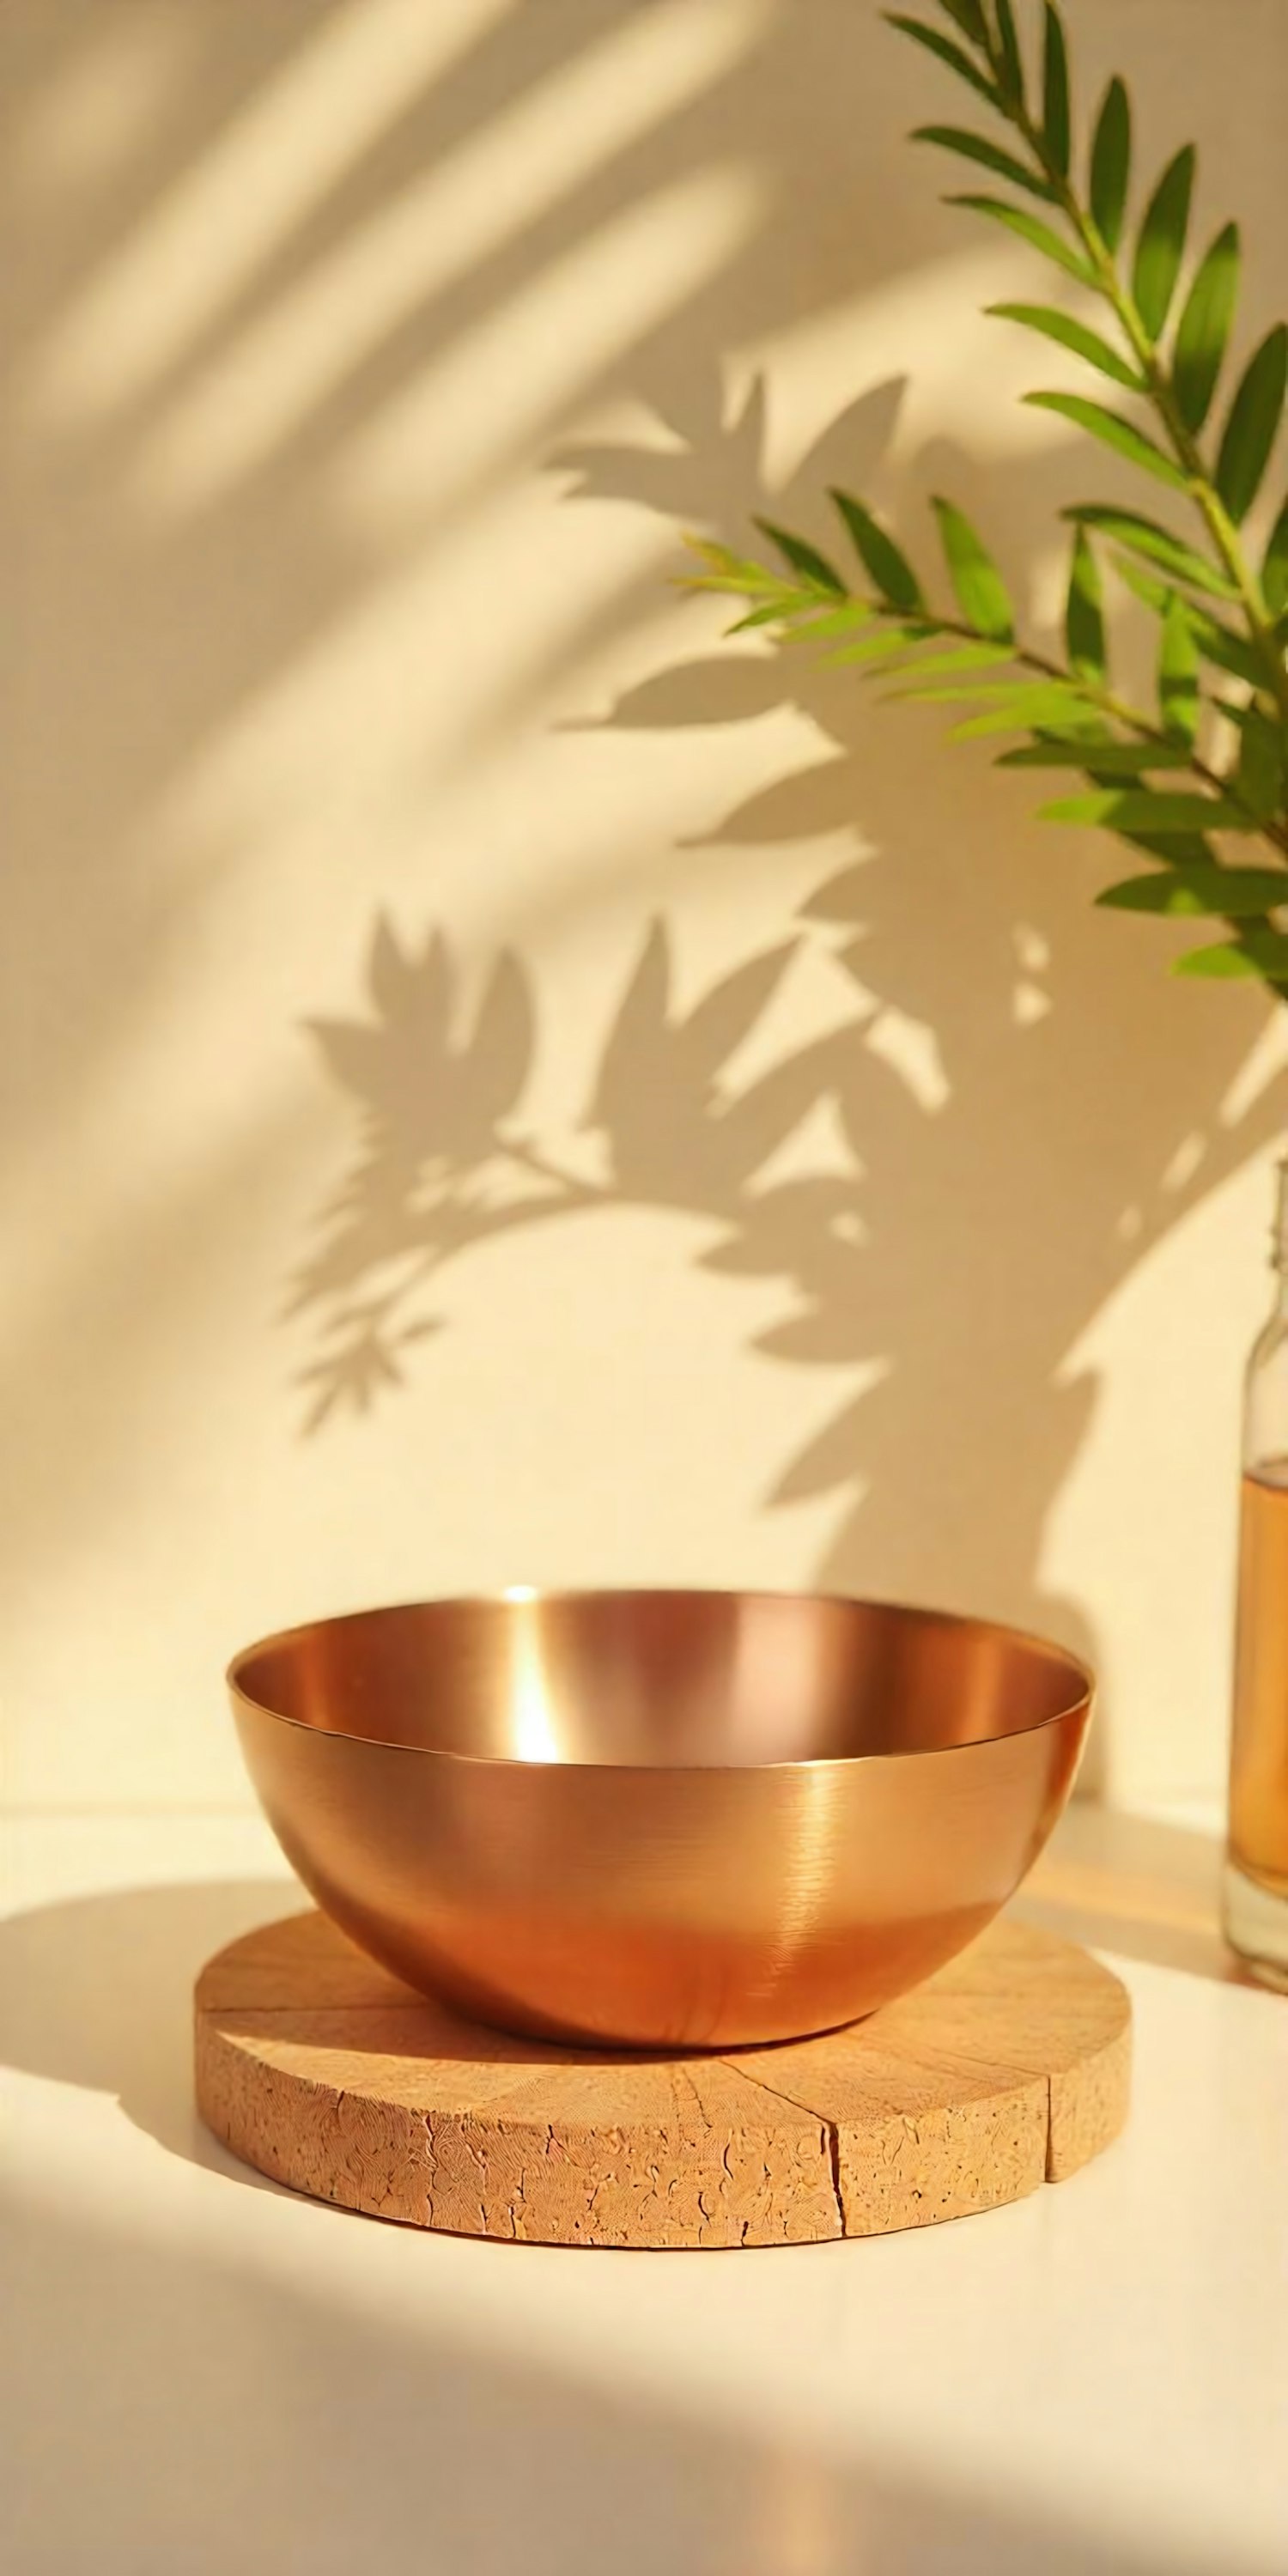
1216	518
1108	704
1158	385
1141	725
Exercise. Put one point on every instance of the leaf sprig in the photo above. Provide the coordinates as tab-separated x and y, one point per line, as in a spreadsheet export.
1211	757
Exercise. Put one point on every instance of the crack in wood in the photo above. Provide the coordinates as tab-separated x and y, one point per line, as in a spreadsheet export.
958	2099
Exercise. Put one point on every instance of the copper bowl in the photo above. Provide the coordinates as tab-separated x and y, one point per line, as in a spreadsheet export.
660	1819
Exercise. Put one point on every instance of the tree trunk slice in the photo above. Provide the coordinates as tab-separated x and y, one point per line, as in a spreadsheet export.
1010	2067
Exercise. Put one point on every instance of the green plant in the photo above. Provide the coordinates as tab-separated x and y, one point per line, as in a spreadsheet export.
1212	758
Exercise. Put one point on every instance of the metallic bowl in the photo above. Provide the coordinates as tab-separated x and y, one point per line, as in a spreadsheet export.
660	1819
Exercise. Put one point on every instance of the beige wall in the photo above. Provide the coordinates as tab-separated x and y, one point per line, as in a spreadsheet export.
368	357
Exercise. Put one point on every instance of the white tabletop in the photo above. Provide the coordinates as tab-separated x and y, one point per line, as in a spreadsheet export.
204	2373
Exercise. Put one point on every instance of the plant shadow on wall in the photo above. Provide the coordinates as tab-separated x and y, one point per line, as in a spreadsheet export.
252	240
449	1163
1024	1109
241	258
1027	1105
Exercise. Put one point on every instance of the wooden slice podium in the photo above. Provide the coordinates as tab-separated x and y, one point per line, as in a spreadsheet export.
1008	2069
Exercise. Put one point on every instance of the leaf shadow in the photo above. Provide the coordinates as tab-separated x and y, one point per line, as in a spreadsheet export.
143	323
448	1161
995	1193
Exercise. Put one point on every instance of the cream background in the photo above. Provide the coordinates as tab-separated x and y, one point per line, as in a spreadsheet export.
306	303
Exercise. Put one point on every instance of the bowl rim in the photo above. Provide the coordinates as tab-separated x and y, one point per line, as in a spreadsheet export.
1079	1672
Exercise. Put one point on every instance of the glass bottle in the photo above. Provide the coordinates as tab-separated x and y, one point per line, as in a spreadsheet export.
1256	1871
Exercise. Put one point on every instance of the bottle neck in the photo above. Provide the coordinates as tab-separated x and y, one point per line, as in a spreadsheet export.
1279	1239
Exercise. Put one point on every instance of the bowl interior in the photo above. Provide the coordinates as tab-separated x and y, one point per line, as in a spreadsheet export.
661	1678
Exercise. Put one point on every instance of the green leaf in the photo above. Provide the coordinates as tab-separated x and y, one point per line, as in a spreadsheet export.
803	558
1263	753
1178	673
1222	961
1108	759
1268	950
784	611
1032	704
1241	712
945	50
1229	652
1071	335
1216	642
1236	894
1160	246
884	646
1274	566
980	692
1111	164
1173	850
1255	952
1178	677
1148	809
772	612
1011	67
1115	432
887	563
1252	423
1204	328
940	666
824	627
1156	893
970	18
1031	229
1055	89
728	571
1084	625
976	147
1157	545
980	589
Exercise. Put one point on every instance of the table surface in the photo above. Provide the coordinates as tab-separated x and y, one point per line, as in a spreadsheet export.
203	2372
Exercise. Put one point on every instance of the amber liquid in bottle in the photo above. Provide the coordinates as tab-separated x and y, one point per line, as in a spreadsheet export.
1259	1746
1256	1874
